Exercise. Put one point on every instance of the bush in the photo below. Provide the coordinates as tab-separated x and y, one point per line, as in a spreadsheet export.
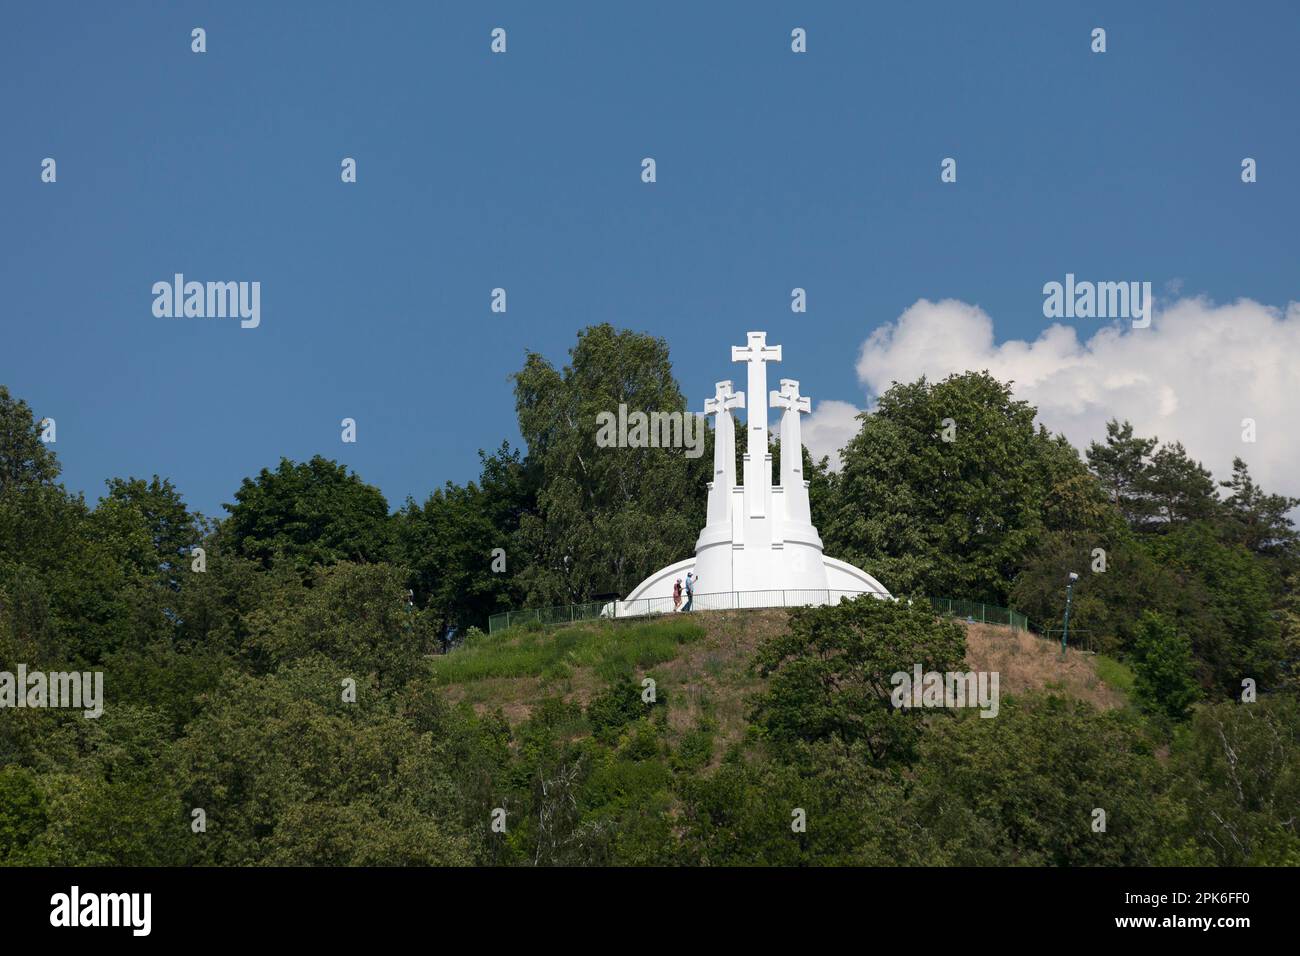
1163	668
830	673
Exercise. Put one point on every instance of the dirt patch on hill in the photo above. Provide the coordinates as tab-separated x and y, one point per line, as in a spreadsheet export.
712	680
1027	662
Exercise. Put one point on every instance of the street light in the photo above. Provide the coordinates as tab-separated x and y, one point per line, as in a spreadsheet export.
1069	593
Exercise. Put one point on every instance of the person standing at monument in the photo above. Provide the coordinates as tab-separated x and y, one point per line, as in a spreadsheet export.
677	595
691	581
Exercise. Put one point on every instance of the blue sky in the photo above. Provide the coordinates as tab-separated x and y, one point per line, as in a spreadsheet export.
775	170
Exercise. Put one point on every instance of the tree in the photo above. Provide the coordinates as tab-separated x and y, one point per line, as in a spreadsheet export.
450	542
170	531
1259	521
1121	465
830	674
1225	605
25	460
1238	769
947	486
742	814
1163	668
605	516
292	775
1107	598
1181	489
1155	489
1023	789
22	815
314	513
356	615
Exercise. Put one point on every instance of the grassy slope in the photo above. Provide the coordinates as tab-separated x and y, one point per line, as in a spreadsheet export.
702	664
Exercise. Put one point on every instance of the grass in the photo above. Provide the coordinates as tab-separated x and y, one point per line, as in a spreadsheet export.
610	650
1027	662
702	664
1114	673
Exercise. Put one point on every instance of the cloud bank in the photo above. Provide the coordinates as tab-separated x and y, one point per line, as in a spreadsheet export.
1193	376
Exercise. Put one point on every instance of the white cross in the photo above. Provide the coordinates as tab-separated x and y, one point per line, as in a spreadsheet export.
789	397
724	399
757	350
757	353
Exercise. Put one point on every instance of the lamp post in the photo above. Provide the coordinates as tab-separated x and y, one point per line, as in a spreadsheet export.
1069	593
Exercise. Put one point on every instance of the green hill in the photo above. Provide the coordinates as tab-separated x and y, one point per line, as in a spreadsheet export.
703	665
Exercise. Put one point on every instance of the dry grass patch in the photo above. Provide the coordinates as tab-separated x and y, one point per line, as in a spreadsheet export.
1027	662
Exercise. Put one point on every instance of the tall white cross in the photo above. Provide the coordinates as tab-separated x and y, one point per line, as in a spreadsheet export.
758	474
724	432
789	397
757	353
791	430
724	398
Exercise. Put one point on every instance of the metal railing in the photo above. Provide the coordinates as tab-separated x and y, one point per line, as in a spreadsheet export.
1080	638
974	611
980	613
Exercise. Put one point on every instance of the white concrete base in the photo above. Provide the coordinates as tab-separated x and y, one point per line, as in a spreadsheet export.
654	595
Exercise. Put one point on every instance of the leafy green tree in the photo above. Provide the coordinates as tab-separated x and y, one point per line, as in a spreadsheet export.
100	822
78	594
605	517
832	808
1181	489
450	543
22	815
1163	668
614	708
172	681
1122	465
314	513
165	527
1023	789
1154	488
214	607
1238	768
830	675
357	615
280	761
116	804
1225	606
943	489
25	460
26	631
1107	599
1261	522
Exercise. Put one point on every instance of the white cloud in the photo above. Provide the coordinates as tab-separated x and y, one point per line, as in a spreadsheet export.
1192	376
829	428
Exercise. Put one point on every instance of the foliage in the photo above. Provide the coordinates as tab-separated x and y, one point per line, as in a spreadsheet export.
1163	667
230	690
1023	788
830	674
605	517
1238	769
948	485
449	542
312	513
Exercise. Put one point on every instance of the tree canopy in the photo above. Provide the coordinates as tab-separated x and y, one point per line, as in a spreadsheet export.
289	689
